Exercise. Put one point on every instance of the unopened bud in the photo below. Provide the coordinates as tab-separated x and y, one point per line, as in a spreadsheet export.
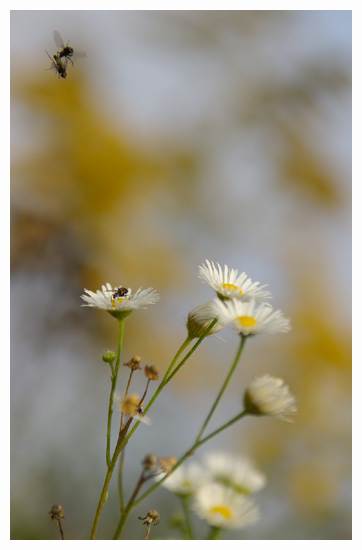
200	318
109	356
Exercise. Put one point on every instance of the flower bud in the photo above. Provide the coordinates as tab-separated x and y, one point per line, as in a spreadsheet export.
200	318
109	356
269	396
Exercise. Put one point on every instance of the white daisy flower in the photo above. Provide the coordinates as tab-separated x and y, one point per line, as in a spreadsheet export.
185	480
249	318
200	318
229	284
269	396
236	472
119	300
223	507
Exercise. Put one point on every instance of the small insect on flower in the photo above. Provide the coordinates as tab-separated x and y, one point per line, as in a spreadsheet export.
119	292
58	64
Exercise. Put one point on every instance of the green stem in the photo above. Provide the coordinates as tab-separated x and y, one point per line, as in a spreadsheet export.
224	386
196	445
215	533
120	482
113	387
126	393
166	379
128	508
104	494
111	462
185	506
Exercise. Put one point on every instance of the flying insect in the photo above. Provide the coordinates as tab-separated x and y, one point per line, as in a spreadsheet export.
58	64
65	51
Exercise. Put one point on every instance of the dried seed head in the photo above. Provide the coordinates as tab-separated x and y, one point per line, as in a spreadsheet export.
134	363
152	518
151	372
150	462
57	512
167	463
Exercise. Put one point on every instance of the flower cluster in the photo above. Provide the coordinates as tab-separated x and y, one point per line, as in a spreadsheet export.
219	489
240	303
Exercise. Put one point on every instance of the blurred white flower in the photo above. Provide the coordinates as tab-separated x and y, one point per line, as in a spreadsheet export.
119	299
185	480
223	507
249	318
229	284
269	396
234	471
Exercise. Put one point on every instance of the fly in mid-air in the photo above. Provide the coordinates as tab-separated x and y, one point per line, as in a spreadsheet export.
63	56
65	51
58	64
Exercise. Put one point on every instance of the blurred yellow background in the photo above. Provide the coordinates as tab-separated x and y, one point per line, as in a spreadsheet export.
182	136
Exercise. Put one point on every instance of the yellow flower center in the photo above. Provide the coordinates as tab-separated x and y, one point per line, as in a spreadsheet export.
223	511
120	300
229	286
246	321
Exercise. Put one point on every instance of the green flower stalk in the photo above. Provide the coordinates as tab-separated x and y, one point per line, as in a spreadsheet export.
120	303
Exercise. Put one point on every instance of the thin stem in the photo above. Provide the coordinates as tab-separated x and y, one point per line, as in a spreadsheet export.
113	387
148	532
129	506
191	451
177	355
215	533
60	529
185	506
223	387
126	392
120	482
166	379
188	355
104	494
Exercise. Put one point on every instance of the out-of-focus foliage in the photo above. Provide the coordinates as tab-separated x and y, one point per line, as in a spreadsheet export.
254	180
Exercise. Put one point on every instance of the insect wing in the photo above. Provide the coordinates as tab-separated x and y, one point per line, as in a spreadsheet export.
58	40
79	55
